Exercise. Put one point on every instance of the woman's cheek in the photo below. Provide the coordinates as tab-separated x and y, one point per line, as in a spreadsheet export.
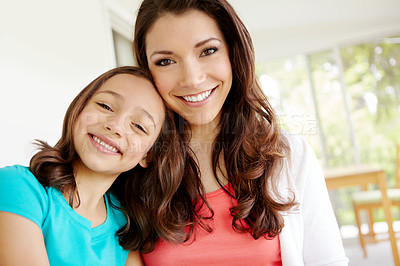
164	83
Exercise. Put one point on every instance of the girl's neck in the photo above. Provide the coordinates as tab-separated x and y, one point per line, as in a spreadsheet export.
91	187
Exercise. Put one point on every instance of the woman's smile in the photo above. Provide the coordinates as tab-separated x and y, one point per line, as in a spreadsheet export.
189	59
201	97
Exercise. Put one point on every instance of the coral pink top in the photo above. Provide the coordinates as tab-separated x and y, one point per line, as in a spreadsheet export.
223	246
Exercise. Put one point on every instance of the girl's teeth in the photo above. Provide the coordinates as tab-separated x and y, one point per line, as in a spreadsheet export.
108	147
198	98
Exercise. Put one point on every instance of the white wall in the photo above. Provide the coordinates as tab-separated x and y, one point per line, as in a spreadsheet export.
49	51
288	27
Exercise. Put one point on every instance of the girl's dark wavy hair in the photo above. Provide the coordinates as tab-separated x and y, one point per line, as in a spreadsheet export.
253	148
52	166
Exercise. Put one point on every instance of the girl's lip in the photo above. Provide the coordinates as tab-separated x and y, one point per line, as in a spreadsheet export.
201	103
106	141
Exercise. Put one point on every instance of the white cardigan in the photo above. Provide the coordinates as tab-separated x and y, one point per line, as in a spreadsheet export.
311	235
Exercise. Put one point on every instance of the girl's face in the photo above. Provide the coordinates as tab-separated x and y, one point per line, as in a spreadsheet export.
119	125
189	60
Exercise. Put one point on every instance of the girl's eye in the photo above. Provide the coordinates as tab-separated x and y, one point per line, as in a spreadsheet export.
139	127
209	51
105	106
164	62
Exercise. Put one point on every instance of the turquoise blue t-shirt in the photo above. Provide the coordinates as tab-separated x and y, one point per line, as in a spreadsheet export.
69	237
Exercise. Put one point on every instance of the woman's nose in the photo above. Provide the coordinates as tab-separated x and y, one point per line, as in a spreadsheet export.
192	74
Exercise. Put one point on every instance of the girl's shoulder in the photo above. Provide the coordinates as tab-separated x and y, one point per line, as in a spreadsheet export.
21	193
20	178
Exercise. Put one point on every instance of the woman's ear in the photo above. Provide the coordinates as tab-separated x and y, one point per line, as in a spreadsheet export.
143	162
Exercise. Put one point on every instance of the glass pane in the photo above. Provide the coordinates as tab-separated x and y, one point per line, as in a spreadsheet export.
286	85
372	75
330	100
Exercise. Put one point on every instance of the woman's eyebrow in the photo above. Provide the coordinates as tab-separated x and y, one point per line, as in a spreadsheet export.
206	41
162	52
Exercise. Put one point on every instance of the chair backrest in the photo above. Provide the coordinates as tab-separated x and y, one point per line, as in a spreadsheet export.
397	174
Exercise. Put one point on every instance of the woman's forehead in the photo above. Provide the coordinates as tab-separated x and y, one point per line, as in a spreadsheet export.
193	24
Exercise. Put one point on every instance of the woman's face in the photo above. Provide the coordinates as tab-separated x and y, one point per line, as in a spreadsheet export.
189	59
119	125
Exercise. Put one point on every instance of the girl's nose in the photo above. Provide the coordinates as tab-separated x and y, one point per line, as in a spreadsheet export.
114	126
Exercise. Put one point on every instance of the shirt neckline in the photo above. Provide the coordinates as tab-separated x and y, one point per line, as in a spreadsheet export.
98	230
219	191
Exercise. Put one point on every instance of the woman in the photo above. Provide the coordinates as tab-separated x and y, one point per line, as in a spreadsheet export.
258	195
66	208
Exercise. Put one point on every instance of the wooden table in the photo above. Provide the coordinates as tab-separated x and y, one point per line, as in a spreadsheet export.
362	175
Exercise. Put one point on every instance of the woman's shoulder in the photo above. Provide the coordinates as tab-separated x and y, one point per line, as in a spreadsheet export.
301	157
297	143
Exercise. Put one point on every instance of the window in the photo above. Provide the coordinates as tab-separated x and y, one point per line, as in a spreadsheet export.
346	103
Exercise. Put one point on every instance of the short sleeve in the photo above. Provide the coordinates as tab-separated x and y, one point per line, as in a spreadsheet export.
22	194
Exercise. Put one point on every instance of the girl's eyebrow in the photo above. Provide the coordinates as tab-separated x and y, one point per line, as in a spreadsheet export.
197	45
148	115
117	95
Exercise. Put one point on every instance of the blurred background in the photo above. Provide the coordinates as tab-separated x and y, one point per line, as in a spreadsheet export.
330	69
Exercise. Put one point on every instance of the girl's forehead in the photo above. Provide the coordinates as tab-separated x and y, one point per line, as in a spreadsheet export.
130	88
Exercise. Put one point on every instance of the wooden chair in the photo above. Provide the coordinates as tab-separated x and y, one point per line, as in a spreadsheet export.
371	199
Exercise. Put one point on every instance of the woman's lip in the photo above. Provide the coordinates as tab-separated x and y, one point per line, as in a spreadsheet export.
201	103
107	141
198	93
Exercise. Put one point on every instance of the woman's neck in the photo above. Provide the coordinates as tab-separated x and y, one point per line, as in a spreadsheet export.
202	141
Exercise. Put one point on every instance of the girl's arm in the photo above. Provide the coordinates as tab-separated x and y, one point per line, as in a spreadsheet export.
134	259
21	241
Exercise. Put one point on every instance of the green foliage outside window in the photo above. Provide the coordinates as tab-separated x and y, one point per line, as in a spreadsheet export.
371	74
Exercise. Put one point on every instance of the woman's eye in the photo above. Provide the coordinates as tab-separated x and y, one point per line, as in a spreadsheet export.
105	106
164	62
209	51
139	127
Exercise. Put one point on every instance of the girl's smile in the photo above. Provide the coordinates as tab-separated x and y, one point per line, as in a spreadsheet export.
105	145
118	125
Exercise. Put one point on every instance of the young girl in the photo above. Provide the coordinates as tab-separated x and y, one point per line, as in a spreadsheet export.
259	196
66	208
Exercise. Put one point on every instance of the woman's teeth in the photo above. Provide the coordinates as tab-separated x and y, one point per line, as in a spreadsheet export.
108	147
197	98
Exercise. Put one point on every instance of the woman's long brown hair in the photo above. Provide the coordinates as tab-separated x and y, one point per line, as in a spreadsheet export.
252	145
